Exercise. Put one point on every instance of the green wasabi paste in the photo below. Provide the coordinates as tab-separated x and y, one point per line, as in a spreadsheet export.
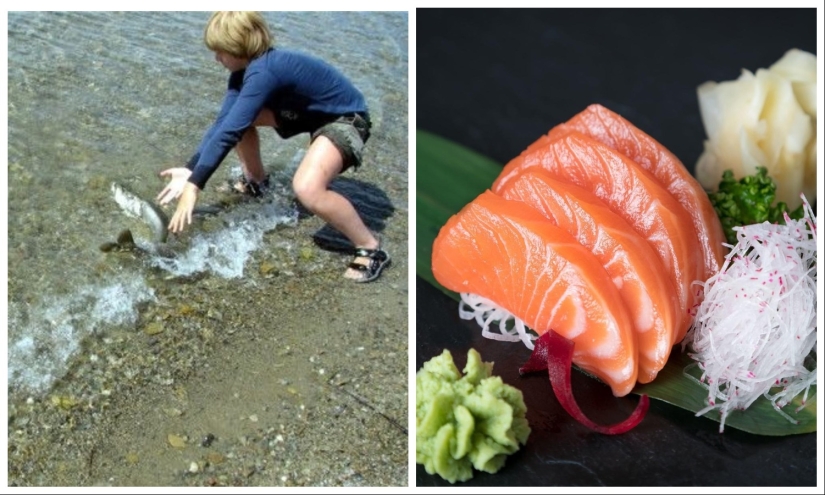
468	421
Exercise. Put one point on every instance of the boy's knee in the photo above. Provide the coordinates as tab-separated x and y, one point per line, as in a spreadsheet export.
305	192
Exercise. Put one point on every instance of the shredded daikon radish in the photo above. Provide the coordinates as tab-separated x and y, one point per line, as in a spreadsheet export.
485	312
757	324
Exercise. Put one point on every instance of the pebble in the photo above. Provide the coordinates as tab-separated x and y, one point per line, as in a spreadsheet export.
207	440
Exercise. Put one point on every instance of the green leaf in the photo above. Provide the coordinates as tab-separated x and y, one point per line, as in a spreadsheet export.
449	176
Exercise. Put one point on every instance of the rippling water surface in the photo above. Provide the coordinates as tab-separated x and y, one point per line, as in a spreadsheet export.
102	97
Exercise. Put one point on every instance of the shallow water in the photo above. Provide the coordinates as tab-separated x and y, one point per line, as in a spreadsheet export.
102	97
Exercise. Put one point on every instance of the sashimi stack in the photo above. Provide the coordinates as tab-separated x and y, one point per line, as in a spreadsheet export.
597	232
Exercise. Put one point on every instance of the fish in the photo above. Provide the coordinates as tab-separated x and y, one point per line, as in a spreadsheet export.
137	207
151	214
509	253
631	192
613	130
125	242
629	259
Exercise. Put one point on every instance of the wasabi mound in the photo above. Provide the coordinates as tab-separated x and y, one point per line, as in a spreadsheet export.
468	421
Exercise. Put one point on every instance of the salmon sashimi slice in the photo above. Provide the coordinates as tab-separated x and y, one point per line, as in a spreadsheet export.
630	260
613	130
509	253
632	193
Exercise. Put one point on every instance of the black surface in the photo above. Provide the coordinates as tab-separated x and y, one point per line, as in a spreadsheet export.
496	80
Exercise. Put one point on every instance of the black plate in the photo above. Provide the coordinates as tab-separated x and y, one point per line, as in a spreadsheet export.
496	80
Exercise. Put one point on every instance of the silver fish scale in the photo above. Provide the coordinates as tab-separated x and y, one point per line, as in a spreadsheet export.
136	207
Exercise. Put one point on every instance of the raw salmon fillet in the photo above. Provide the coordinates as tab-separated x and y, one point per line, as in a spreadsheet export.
632	193
613	130
629	260
509	253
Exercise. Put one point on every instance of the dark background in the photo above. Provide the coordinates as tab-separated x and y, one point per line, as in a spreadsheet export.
494	81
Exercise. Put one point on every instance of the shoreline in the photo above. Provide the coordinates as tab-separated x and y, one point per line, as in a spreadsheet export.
285	377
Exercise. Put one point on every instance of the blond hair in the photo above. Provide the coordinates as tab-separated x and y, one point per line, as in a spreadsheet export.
240	34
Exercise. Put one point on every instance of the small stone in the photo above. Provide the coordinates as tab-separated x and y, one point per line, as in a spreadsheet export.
307	253
267	268
253	418
64	402
207	440
176	441
186	310
153	328
173	412
207	334
193	467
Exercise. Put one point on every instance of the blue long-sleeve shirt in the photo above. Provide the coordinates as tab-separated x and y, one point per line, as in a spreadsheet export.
282	81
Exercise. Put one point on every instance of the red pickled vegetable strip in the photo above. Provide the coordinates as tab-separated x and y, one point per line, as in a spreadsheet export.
554	353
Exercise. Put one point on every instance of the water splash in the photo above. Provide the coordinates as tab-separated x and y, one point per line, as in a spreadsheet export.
226	251
51	332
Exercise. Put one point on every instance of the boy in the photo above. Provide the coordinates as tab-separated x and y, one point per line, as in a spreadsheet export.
293	93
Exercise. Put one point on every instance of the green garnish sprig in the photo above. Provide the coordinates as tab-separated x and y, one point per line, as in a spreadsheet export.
748	201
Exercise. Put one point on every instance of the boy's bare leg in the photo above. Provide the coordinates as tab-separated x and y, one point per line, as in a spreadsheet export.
249	154
249	148
320	165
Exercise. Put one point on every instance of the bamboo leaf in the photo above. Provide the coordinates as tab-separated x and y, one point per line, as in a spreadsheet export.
449	176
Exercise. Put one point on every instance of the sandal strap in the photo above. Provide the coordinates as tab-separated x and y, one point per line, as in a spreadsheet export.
373	254
378	258
360	267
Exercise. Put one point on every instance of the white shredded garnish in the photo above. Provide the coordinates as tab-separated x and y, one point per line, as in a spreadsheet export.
757	324
485	312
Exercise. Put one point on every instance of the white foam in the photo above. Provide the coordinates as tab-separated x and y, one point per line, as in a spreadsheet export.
42	338
226	251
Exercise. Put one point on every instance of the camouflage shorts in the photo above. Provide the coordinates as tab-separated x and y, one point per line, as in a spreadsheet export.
348	133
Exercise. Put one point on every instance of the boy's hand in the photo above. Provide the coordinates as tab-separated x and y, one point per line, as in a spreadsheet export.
179	177
186	204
